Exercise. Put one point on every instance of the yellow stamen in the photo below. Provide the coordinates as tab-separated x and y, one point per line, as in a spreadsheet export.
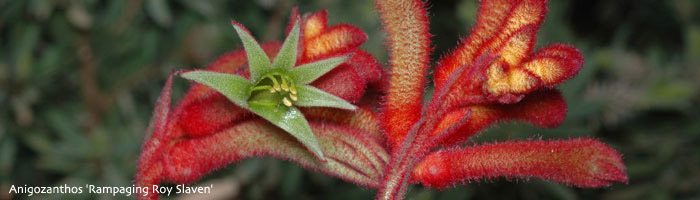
293	97
286	102
285	87
293	89
275	84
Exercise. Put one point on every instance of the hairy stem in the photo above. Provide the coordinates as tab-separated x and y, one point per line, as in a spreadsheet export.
403	160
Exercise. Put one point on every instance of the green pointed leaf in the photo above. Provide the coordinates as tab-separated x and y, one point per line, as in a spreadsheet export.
258	61
307	73
291	120
287	56
310	96
234	87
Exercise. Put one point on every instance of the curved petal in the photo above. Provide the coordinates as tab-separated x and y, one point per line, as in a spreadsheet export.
339	38
503	80
555	64
496	22
581	162
315	24
546	108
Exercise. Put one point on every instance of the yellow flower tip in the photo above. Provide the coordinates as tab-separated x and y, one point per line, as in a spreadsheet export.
272	90
293	97
286	102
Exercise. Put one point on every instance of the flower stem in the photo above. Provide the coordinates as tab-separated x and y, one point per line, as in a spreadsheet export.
412	150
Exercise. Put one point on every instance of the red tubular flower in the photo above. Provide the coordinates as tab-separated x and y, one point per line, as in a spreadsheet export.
585	163
189	159
506	29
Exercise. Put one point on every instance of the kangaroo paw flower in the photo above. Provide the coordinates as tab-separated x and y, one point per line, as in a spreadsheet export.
583	163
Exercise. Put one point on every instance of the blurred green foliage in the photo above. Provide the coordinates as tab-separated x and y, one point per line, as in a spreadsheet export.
78	80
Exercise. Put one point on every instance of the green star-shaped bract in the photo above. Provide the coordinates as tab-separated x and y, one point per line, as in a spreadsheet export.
266	97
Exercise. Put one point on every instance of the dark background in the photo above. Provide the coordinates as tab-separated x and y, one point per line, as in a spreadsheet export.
79	78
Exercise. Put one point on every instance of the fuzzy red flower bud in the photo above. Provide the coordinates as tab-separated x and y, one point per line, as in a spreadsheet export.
579	162
406	24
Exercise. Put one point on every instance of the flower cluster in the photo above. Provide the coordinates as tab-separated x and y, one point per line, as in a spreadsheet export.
310	105
218	120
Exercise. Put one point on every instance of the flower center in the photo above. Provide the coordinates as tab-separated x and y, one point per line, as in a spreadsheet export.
272	89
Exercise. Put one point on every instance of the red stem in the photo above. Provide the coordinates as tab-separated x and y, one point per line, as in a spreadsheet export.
414	148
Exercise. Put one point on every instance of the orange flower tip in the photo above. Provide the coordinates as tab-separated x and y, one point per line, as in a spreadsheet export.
555	64
333	40
315	24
